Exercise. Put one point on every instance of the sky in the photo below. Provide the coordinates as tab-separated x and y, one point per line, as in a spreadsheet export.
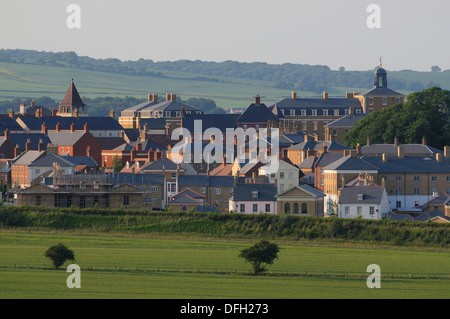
413	34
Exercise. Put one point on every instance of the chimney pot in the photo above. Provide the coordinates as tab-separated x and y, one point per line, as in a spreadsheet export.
294	95
325	95
257	100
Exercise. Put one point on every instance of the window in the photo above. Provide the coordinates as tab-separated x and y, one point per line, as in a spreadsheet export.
171	187
292	112
371	210
325	112
398	191
397	100
359	210
416	191
334	132
295	208
173	175
242	208
336	112
304	125
398	179
184	208
346	111
398	204
291	175
38	172
202	190
281	175
287	208
178	114
448	179
281	188
217	191
384	101
255	208
267	208
315	128
154	188
37	200
434	191
347	210
371	101
321	182
126	200
167	113
304	208
434	179
314	112
82	202
255	194
416	178
303	112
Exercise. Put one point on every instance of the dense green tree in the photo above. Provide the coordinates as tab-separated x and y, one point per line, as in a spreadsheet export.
59	254
261	253
425	113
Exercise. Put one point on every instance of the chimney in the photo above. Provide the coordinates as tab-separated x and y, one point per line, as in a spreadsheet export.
360	179
11	113
358	149
305	137
383	182
316	137
168	96
44	128
325	95
72	127
17	150
155	97
342	181
163	154
37	113
133	154
257	100
368	140
438	157
150	155
122	134
41	145
351	111
324	148
138	147
32	103
424	140
112	114
183	111
54	111
86	127
58	127
6	133
396	140
294	95
447	152
349	95
385	158
22	108
28	145
401	151
173	97
353	153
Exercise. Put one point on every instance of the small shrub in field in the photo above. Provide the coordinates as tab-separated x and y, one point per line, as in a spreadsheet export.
59	254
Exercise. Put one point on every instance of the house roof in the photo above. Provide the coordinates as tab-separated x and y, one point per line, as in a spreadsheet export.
219	121
189	193
10	124
306	188
318	146
184	199
392	149
165	163
244	192
64	161
21	139
110	143
205	180
27	157
327	158
350	163
318	103
381	91
308	163
408	164
95	123
372	194
65	137
257	114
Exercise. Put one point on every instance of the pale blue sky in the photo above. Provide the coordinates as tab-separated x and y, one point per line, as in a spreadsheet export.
413	35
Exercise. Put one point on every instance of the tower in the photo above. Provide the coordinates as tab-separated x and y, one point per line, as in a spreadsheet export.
380	79
72	103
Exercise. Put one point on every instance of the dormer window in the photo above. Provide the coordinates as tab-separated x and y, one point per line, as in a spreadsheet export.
360	197
255	194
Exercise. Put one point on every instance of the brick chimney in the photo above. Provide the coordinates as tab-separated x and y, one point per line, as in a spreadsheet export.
32	103
368	140
54	111
44	128
88	152
7	134
86	127
424	140
257	100
112	114
384	156
438	157
138	147
401	151
294	95
41	145
72	127
17	150
133	154
396	140
28	145
11	113
447	151
325	95
358	149
58	127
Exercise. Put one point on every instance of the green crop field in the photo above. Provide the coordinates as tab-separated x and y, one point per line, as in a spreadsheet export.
147	266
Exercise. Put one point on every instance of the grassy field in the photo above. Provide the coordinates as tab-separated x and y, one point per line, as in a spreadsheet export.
25	80
145	266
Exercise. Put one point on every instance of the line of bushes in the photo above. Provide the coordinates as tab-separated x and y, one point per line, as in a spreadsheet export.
229	225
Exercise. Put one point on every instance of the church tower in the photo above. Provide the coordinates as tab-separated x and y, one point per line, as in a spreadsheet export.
380	79
72	103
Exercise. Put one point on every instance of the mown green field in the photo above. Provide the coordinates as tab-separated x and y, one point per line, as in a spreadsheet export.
144	266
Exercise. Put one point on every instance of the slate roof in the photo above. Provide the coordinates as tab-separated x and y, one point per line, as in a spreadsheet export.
149	144
351	163
136	179
371	195
185	199
72	97
142	105
22	138
298	138
318	103
95	123
327	158
381	91
443	199
159	164
189	193
308	163
64	161
347	120
421	218
408	164
257	114
27	158
306	188
392	149
65	137
110	143
219	121
10	124
244	192
318	146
